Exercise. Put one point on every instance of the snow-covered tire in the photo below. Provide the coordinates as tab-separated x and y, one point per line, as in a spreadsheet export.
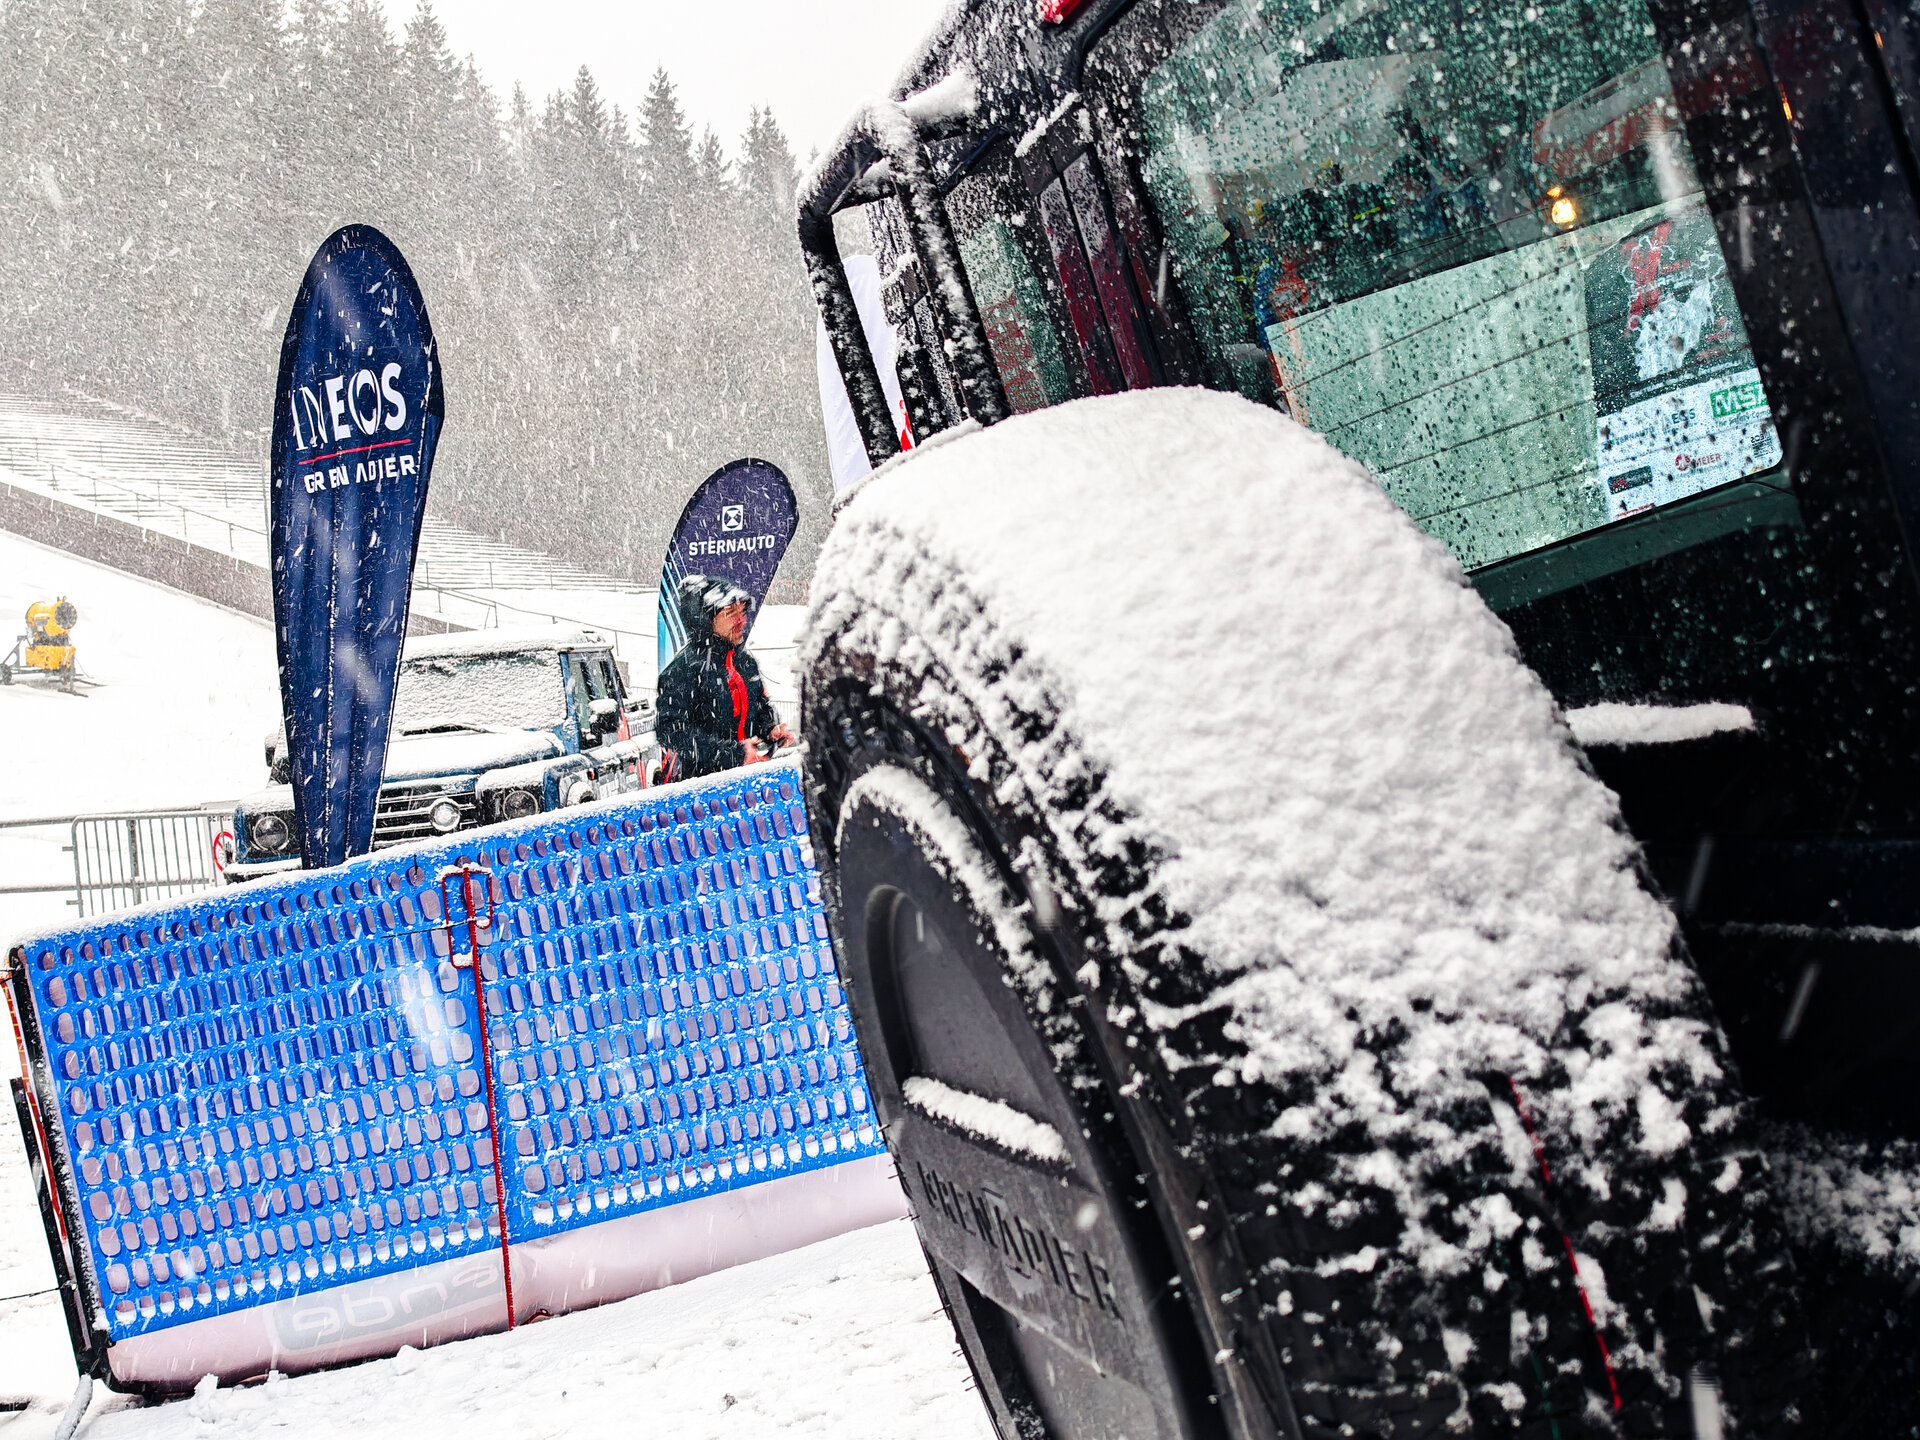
1291	909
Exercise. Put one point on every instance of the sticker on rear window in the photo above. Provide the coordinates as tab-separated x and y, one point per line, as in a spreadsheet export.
1679	407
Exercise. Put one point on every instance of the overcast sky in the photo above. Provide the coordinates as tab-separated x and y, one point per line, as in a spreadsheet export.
813	61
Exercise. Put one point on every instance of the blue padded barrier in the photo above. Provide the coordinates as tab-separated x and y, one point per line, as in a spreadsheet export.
273	1090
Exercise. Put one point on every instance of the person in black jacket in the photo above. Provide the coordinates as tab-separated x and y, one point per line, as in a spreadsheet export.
712	712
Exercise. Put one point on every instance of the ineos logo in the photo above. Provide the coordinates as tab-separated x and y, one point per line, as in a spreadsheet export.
362	402
733	517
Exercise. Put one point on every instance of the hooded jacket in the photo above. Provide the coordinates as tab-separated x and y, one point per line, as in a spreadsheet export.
711	697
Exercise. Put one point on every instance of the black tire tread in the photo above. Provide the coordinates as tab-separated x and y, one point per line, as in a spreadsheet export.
1364	1345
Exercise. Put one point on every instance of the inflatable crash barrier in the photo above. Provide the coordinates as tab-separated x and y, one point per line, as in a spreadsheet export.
287	1126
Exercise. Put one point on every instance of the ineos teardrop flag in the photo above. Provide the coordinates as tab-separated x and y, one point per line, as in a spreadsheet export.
737	524
356	419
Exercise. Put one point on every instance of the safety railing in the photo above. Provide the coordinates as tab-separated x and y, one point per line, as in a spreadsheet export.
134	857
467	581
122	860
204	505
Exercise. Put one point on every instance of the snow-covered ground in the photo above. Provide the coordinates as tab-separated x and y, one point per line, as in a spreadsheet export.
188	691
36	1362
844	1338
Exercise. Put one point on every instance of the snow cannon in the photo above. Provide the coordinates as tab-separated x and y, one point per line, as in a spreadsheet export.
46	650
51	624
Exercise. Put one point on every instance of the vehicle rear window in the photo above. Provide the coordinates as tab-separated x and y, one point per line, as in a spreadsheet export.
1465	242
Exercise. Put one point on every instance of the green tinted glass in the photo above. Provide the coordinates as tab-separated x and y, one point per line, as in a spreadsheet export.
1468	245
1025	349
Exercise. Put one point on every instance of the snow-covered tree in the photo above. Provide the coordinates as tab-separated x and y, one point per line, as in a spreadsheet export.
620	310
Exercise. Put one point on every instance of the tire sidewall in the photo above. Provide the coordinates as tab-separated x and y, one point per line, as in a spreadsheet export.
1086	1008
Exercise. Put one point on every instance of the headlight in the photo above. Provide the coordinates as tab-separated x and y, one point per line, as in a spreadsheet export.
444	816
268	834
518	804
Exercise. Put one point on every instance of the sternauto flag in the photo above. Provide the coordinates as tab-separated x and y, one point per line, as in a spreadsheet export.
356	417
737	524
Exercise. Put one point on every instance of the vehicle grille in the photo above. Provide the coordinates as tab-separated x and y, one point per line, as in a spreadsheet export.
401	813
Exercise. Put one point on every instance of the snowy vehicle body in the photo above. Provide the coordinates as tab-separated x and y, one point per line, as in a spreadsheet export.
1617	309
490	726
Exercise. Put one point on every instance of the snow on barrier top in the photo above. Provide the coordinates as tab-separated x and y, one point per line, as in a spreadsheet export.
276	1090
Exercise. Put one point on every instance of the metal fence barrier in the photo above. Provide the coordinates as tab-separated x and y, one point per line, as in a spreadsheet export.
254	1096
122	860
135	857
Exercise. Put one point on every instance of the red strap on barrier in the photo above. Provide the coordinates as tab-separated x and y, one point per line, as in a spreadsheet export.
477	922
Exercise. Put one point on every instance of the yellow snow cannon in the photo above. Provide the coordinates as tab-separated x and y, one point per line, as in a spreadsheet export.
46	650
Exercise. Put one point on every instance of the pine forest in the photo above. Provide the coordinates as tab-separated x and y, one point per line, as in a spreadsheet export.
619	304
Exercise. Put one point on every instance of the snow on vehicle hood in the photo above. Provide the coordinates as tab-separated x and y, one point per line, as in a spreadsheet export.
465	752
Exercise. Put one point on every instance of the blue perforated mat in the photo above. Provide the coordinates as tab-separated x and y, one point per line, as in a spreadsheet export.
280	1088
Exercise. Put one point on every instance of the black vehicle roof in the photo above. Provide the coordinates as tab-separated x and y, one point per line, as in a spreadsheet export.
1021	63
